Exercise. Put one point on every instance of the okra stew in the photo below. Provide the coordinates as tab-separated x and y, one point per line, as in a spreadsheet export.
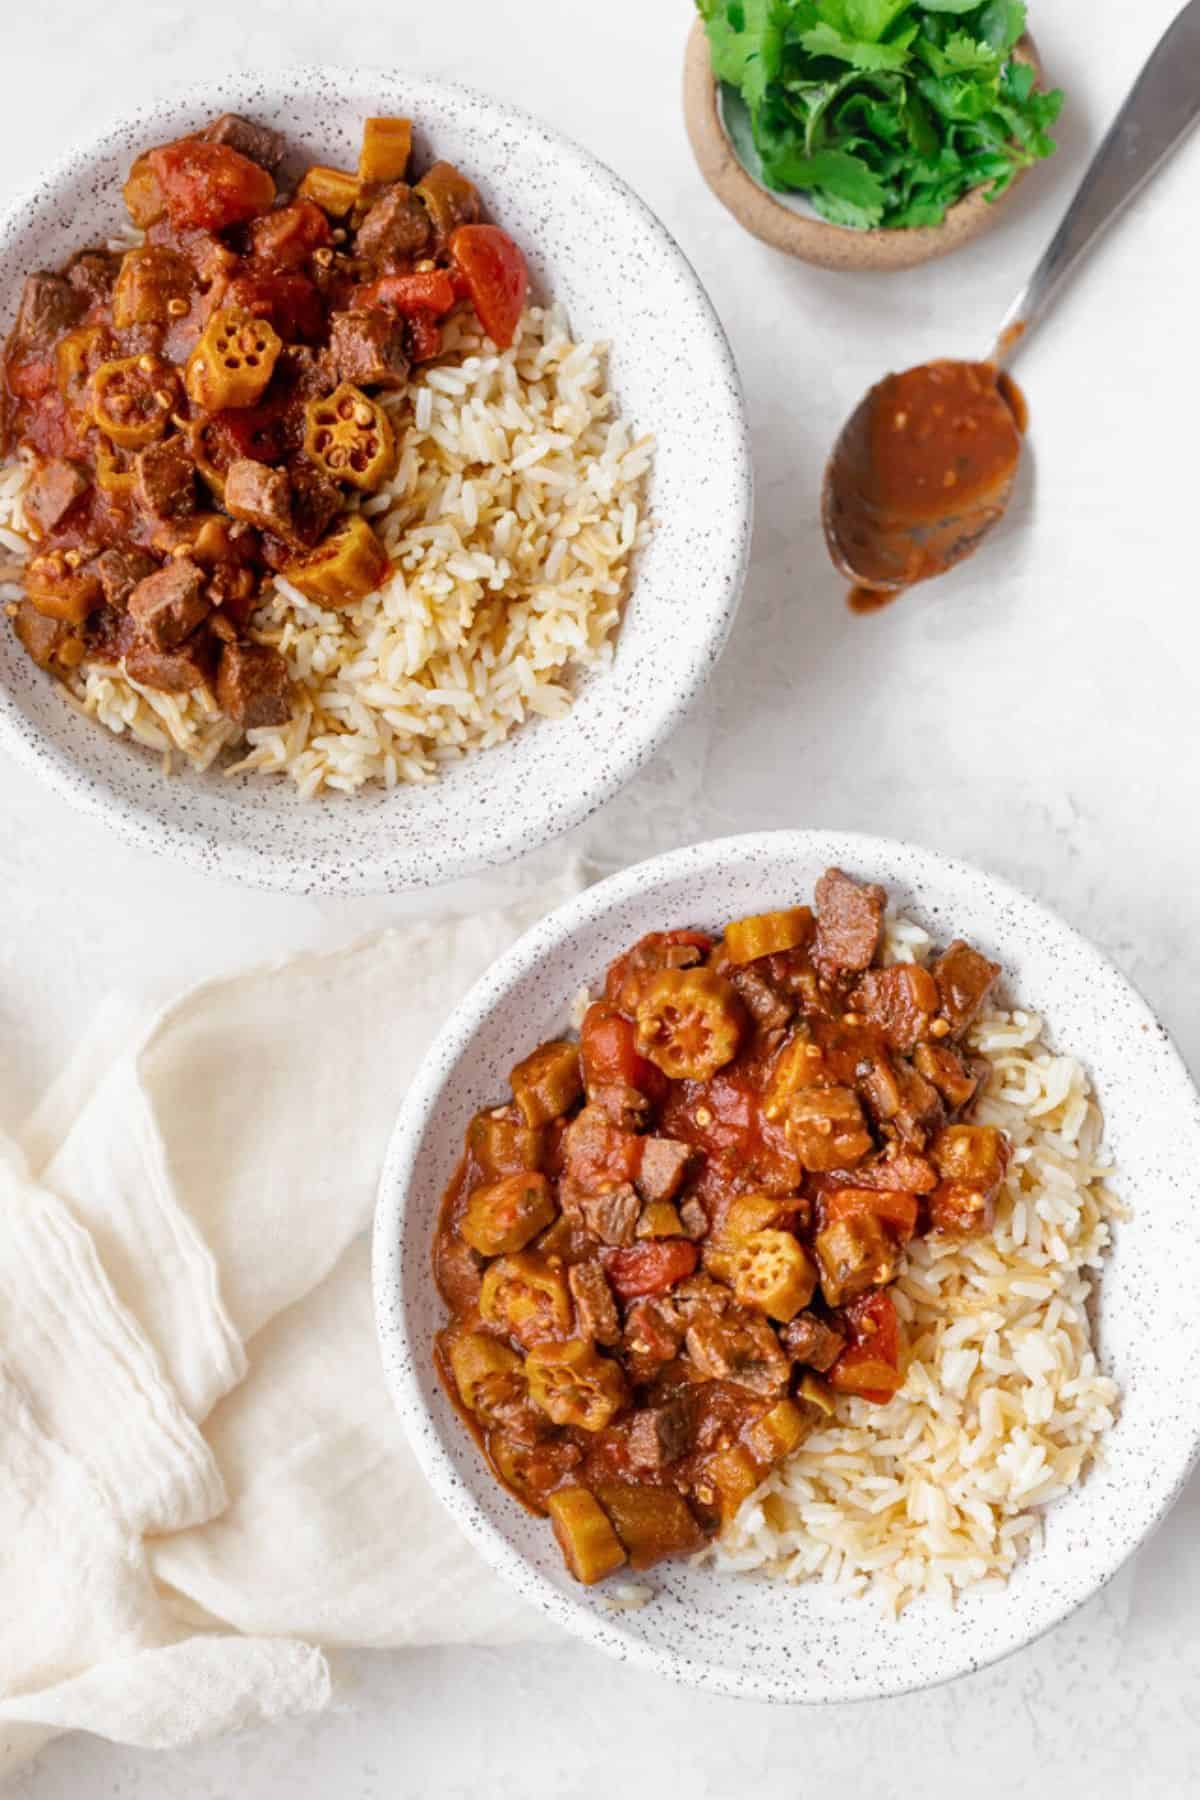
671	1249
202	408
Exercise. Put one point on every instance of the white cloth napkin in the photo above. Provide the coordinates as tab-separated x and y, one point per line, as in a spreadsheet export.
203	1483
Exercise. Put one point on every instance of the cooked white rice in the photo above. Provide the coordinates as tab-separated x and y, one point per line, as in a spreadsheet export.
1003	1407
516	506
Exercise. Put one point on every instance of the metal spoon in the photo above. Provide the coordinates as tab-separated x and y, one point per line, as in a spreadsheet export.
874	538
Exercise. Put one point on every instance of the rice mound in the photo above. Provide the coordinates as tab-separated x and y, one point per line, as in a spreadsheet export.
1003	1405
515	509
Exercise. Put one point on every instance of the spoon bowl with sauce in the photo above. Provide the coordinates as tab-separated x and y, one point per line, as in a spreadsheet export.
926	464
921	472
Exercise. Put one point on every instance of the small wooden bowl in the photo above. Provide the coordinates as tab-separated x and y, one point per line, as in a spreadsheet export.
815	240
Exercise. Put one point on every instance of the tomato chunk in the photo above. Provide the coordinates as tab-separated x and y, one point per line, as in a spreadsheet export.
628	976
650	1268
210	186
869	1366
30	376
897	1210
496	276
424	337
422	291
610	1056
285	297
287	237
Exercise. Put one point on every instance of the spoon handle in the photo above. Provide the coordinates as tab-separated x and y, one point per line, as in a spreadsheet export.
1162	106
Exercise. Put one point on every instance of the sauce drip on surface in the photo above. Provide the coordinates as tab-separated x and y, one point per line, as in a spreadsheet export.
923	469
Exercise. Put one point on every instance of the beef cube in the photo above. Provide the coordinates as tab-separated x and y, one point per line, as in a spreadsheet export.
172	671
46	640
258	142
368	348
93	274
111	633
964	981
901	1001
253	686
826	1128
304	372
700	1293
898	1096
739	1347
396	227
663	1166
770	1010
694	1219
120	571
612	1217
51	494
164	479
920	1112
597	1153
879	1088
898	1170
595	1309
653	1336
955	1080
316	502
660	1434
813	1341
625	1106
849	924
168	605
853	1255
49	306
233	590
260	495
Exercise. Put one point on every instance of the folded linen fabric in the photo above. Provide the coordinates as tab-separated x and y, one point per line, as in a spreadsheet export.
202	1479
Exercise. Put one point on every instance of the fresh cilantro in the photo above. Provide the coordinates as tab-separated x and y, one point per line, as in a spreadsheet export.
1001	23
826	40
746	37
884	112
961	54
866	20
843	188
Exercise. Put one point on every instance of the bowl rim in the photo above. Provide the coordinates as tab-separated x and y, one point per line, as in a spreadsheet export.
443	1057
881	250
354	871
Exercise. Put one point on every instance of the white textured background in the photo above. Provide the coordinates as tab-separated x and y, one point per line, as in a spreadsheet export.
1037	713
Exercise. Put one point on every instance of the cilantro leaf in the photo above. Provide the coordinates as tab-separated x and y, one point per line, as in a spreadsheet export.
826	40
1000	23
884	112
961	54
842	186
746	39
867	20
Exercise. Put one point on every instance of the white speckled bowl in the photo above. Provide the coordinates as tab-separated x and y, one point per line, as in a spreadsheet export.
593	245
759	1639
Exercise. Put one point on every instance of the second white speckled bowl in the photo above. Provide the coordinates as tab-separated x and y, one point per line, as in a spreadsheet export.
760	1639
595	247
